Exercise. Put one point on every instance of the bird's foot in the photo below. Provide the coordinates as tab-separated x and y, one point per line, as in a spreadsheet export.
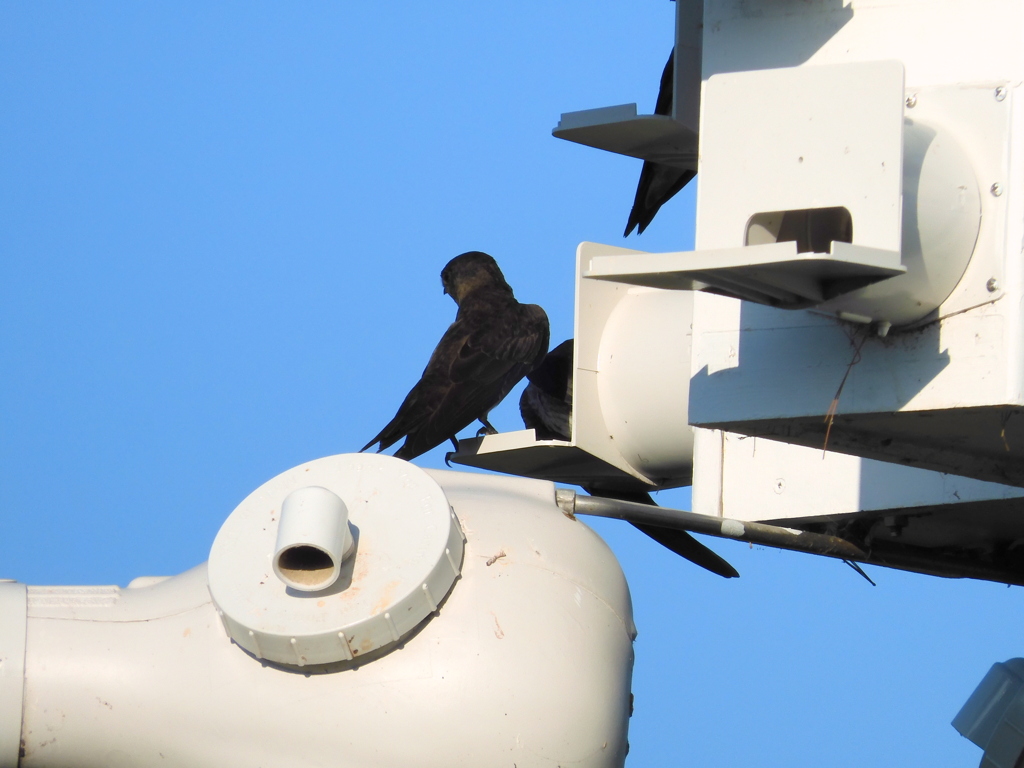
486	429
448	458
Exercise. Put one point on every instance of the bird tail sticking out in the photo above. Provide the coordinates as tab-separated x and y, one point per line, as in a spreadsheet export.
398	427
680	542
658	182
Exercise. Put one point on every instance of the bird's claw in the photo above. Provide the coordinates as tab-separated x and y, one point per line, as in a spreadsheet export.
448	458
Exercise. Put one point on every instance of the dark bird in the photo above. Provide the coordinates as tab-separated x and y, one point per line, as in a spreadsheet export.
493	343
546	407
546	403
658	182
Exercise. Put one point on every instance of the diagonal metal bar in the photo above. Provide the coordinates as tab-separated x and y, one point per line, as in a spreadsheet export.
882	553
755	533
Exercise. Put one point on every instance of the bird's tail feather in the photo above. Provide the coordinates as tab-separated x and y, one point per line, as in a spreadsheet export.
380	438
680	542
684	545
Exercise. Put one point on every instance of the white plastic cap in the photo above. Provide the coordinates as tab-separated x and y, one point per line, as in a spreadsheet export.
406	554
313	538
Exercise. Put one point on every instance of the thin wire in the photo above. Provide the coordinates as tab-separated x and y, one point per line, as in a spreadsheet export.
830	415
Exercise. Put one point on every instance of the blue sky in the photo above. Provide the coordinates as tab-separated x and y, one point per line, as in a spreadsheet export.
221	233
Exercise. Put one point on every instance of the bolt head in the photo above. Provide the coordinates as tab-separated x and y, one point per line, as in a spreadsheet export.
992	285
911	101
996	189
1000	93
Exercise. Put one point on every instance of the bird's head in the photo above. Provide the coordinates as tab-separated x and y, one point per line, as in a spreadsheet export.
469	272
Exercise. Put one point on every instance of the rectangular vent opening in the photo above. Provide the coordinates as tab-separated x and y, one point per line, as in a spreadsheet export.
812	229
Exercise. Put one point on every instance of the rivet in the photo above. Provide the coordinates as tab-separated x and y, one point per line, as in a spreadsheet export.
992	285
911	101
996	189
1000	93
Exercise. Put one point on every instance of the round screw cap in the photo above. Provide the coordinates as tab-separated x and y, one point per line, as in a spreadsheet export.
406	555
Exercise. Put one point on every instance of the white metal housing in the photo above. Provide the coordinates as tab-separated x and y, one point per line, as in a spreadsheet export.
527	662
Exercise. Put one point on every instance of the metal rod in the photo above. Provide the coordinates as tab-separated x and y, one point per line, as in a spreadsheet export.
883	554
754	533
907	559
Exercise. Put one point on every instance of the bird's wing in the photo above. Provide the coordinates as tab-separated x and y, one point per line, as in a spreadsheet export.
428	392
546	403
515	335
550	418
495	351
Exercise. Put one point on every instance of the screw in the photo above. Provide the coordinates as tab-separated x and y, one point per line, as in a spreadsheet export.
996	189
911	101
1000	93
992	285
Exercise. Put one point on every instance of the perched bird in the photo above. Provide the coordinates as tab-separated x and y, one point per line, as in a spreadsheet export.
546	407
546	403
492	344
658	182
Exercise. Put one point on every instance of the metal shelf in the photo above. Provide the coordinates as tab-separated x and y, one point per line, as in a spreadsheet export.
521	453
621	130
773	274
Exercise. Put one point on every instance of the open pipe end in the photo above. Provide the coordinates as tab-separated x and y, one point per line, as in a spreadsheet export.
306	567
313	538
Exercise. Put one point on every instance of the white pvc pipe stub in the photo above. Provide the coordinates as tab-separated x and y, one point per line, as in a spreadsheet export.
313	537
